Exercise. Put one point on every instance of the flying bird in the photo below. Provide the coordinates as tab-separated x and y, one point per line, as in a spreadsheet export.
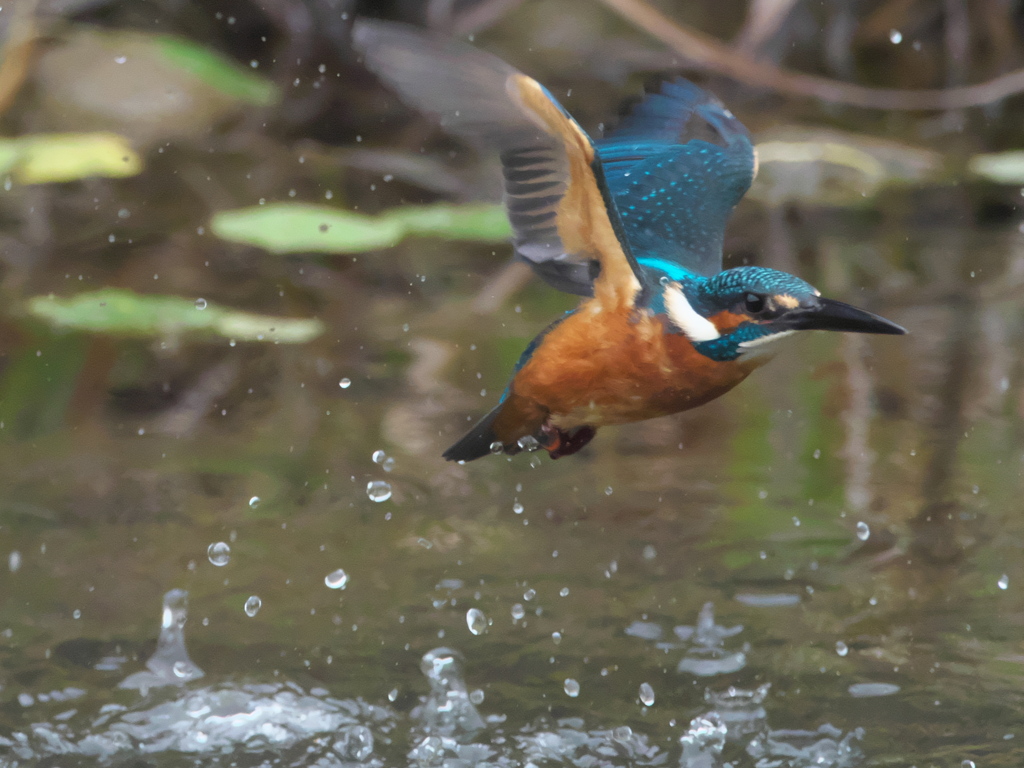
634	223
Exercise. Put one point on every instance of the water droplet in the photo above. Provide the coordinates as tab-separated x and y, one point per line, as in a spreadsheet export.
477	696
392	694
497	447
967	764
841	648
182	669
564	592
254	502
120	59
518	611
336	579
528	443
622	733
378	490
345	383
646	694
1004	581
389	464
253	605
608	491
517	508
219	553
572	688
14	561
379	456
895	36
649	552
200	303
476	621
556	637
529	594
863	531
76	613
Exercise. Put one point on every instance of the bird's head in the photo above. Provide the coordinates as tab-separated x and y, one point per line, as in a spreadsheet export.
739	312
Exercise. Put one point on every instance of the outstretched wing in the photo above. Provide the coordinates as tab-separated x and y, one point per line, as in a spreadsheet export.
676	167
559	206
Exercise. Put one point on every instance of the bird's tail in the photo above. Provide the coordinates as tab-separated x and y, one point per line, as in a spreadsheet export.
477	442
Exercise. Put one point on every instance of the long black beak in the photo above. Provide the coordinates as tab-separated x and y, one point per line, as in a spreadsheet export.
832	315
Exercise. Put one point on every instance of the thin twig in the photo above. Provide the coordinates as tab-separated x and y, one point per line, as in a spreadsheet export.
708	53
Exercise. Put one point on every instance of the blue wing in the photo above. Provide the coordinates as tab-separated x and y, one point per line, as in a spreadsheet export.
676	167
564	222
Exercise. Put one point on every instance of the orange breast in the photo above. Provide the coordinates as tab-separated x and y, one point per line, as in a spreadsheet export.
600	367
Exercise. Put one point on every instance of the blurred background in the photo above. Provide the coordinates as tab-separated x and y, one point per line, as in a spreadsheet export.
249	298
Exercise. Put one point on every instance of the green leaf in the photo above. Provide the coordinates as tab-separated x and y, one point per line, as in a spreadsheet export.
217	71
302	228
124	313
484	222
294	227
1000	167
58	157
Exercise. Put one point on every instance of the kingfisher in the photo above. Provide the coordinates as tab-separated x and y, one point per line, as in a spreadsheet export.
633	223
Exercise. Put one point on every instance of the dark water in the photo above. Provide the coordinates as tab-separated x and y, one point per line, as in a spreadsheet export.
821	568
850	515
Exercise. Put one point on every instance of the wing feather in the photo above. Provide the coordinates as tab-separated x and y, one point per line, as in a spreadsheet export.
676	167
562	215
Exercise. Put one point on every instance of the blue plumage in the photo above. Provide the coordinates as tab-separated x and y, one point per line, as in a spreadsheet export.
676	167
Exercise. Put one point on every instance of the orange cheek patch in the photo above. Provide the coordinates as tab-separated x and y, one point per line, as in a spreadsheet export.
727	322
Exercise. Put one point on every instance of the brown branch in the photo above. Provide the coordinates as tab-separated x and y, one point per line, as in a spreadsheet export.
18	52
708	53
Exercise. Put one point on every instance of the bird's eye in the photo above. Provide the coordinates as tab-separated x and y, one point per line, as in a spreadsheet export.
753	303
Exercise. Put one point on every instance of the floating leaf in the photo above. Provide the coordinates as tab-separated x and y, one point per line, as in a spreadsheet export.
1000	167
124	313
298	228
288	228
217	71
484	222
56	157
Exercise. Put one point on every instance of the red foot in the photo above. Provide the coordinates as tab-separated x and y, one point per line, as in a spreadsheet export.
558	442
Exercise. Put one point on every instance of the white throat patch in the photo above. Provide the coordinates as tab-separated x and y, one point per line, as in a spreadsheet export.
696	327
763	340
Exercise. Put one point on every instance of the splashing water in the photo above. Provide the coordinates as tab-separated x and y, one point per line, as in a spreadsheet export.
707	655
219	553
448	710
703	741
476	621
378	490
336	579
824	748
170	663
740	710
646	694
252	606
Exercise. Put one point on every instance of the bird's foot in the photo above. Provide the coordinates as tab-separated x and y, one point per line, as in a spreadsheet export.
560	442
